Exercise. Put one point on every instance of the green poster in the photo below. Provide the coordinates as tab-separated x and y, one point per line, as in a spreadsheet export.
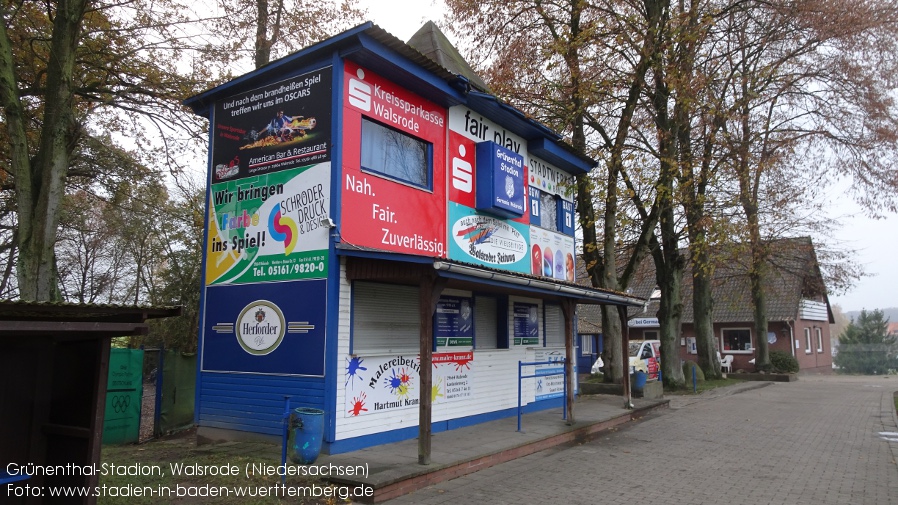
271	227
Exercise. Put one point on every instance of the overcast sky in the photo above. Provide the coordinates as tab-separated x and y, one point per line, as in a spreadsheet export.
875	240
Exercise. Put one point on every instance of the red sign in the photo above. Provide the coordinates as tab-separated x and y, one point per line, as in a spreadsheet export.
379	208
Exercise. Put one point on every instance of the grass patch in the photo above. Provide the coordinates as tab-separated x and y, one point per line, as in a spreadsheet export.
161	455
705	385
595	377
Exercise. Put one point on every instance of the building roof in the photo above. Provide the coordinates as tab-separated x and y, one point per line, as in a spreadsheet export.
432	43
792	274
440	76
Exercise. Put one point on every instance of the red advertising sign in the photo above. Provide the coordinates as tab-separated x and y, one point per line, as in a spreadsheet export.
393	187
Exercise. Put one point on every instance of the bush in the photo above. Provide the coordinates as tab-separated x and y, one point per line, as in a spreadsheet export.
783	362
687	372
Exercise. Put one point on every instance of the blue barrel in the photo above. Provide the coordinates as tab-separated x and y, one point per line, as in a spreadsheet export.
639	380
304	438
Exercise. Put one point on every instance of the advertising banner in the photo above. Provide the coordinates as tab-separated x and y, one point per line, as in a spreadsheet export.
549	382
270	227
454	322
275	127
526	324
275	328
552	255
488	241
383	212
377	384
545	177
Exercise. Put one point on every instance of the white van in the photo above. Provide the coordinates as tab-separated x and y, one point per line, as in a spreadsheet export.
645	356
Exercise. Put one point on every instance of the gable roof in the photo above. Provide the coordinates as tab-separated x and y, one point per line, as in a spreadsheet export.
792	274
431	42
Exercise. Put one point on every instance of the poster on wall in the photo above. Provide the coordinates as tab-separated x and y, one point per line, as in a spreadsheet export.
376	384
454	322
271	227
549	380
526	324
275	328
486	240
398	202
552	255
271	128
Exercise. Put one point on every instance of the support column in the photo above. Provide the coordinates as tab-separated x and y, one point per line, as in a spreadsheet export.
568	307
430	288
625	353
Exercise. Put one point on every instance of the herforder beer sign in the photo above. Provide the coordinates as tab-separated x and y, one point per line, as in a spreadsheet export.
260	327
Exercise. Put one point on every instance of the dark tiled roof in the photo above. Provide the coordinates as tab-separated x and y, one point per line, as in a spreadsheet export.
431	42
792	274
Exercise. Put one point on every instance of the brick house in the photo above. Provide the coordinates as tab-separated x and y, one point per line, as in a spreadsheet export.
798	310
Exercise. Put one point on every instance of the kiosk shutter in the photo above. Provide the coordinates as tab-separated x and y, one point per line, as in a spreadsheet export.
554	326
485	322
385	318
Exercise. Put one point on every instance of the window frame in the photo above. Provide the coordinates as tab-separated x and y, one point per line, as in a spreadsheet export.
736	351
819	335
428	157
807	341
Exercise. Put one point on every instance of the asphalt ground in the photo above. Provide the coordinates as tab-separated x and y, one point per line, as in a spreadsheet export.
820	440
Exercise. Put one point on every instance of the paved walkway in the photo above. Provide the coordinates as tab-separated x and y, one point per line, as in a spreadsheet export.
820	440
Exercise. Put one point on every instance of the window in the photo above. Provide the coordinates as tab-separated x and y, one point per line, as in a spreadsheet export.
819	339
736	339
549	207
807	341
650	335
395	155
586	345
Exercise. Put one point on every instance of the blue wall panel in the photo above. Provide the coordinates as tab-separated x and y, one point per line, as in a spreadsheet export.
254	403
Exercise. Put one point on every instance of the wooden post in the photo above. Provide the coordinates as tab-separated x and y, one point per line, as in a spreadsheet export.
430	289
568	307
625	352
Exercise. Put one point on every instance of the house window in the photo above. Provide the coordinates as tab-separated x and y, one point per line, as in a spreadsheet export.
807	341
819	339
585	345
396	155
736	339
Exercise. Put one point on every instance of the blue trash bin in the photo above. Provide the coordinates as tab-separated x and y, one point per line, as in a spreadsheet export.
306	430
639	379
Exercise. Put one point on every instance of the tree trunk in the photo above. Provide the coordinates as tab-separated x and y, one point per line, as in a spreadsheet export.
40	180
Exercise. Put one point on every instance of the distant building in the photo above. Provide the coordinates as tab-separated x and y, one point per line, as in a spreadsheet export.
798	310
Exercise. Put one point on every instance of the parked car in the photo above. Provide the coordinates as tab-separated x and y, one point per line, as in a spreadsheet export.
645	356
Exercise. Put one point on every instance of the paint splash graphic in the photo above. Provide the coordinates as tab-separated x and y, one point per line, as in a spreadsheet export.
463	364
400	384
435	391
477	234
283	229
353	367
358	404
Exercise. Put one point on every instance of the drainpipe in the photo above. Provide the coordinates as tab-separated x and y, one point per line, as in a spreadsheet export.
791	337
